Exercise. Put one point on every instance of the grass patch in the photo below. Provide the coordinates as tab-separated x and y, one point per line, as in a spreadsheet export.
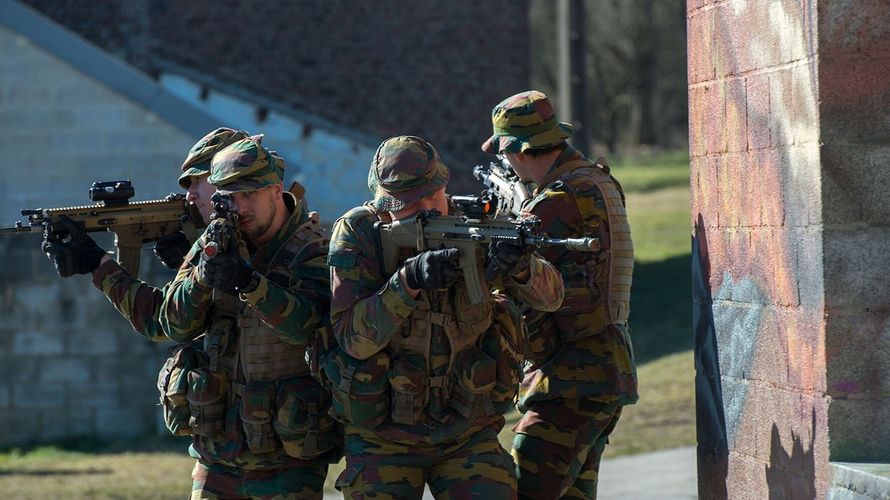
651	172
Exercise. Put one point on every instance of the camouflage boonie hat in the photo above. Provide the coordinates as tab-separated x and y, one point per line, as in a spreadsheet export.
525	121
198	160
245	166
405	169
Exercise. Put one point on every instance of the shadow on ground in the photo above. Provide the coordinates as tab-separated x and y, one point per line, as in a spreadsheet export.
661	308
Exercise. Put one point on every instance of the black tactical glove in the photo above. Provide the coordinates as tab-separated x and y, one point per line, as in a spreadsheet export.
433	269
172	249
228	272
507	258
69	248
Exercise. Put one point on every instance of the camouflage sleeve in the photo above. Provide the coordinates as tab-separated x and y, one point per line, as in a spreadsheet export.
543	291
186	300
367	308
136	300
297	312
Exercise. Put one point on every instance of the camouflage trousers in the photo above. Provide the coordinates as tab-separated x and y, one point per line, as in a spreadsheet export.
475	467
558	453
216	482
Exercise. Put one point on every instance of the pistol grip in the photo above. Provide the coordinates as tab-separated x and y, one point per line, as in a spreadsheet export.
474	275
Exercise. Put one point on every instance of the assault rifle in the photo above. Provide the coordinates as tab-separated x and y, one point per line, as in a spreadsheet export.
505	186
133	223
221	231
430	230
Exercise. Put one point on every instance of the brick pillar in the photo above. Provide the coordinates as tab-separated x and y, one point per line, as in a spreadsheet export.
788	133
758	240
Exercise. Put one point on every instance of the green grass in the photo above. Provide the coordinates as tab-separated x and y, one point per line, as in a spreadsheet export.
657	190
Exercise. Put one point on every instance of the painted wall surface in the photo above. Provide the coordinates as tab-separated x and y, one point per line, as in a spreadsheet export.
854	91
757	217
69	363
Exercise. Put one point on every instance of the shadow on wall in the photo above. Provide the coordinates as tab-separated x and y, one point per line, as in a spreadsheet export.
801	461
710	422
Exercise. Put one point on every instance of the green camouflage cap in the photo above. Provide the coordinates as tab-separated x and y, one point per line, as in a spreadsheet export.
198	160
525	121
245	166
405	169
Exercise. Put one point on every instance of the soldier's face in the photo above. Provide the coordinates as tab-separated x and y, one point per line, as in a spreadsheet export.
436	201
256	211
520	166
199	193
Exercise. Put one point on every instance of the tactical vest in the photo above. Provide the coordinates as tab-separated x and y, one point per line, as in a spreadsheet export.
401	385
616	263
250	367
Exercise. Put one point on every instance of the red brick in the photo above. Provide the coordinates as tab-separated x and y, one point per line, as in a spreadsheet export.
766	169
698	145
865	28
699	54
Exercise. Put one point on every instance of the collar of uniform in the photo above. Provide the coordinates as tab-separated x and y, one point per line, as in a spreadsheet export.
569	154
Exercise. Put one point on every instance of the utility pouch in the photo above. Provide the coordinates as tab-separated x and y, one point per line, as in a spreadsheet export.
407	378
207	401
359	388
508	370
173	385
475	373
256	416
301	419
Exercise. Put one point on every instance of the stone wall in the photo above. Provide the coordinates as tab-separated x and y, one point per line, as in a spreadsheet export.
70	365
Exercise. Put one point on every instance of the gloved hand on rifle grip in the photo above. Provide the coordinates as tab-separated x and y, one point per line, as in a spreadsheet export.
70	249
433	269
172	249
507	258
227	272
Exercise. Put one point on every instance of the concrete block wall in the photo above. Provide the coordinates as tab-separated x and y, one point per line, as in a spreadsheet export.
757	253
854	56
70	365
387	67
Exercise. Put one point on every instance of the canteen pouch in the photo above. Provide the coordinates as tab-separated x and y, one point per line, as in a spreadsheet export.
207	401
359	388
301	419
256	416
173	384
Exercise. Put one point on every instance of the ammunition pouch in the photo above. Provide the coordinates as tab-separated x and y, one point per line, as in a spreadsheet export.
407	378
474	373
301	420
256	416
359	388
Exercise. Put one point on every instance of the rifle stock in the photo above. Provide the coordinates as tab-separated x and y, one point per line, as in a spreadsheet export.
133	223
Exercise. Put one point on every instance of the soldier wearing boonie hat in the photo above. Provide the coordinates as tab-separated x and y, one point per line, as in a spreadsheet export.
575	197
405	368
524	122
274	296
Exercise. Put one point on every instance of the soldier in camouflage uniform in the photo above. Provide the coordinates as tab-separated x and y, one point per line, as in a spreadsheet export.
259	421
136	300
580	370
420	376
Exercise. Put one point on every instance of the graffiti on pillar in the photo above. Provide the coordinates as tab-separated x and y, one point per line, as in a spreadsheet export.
756	211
